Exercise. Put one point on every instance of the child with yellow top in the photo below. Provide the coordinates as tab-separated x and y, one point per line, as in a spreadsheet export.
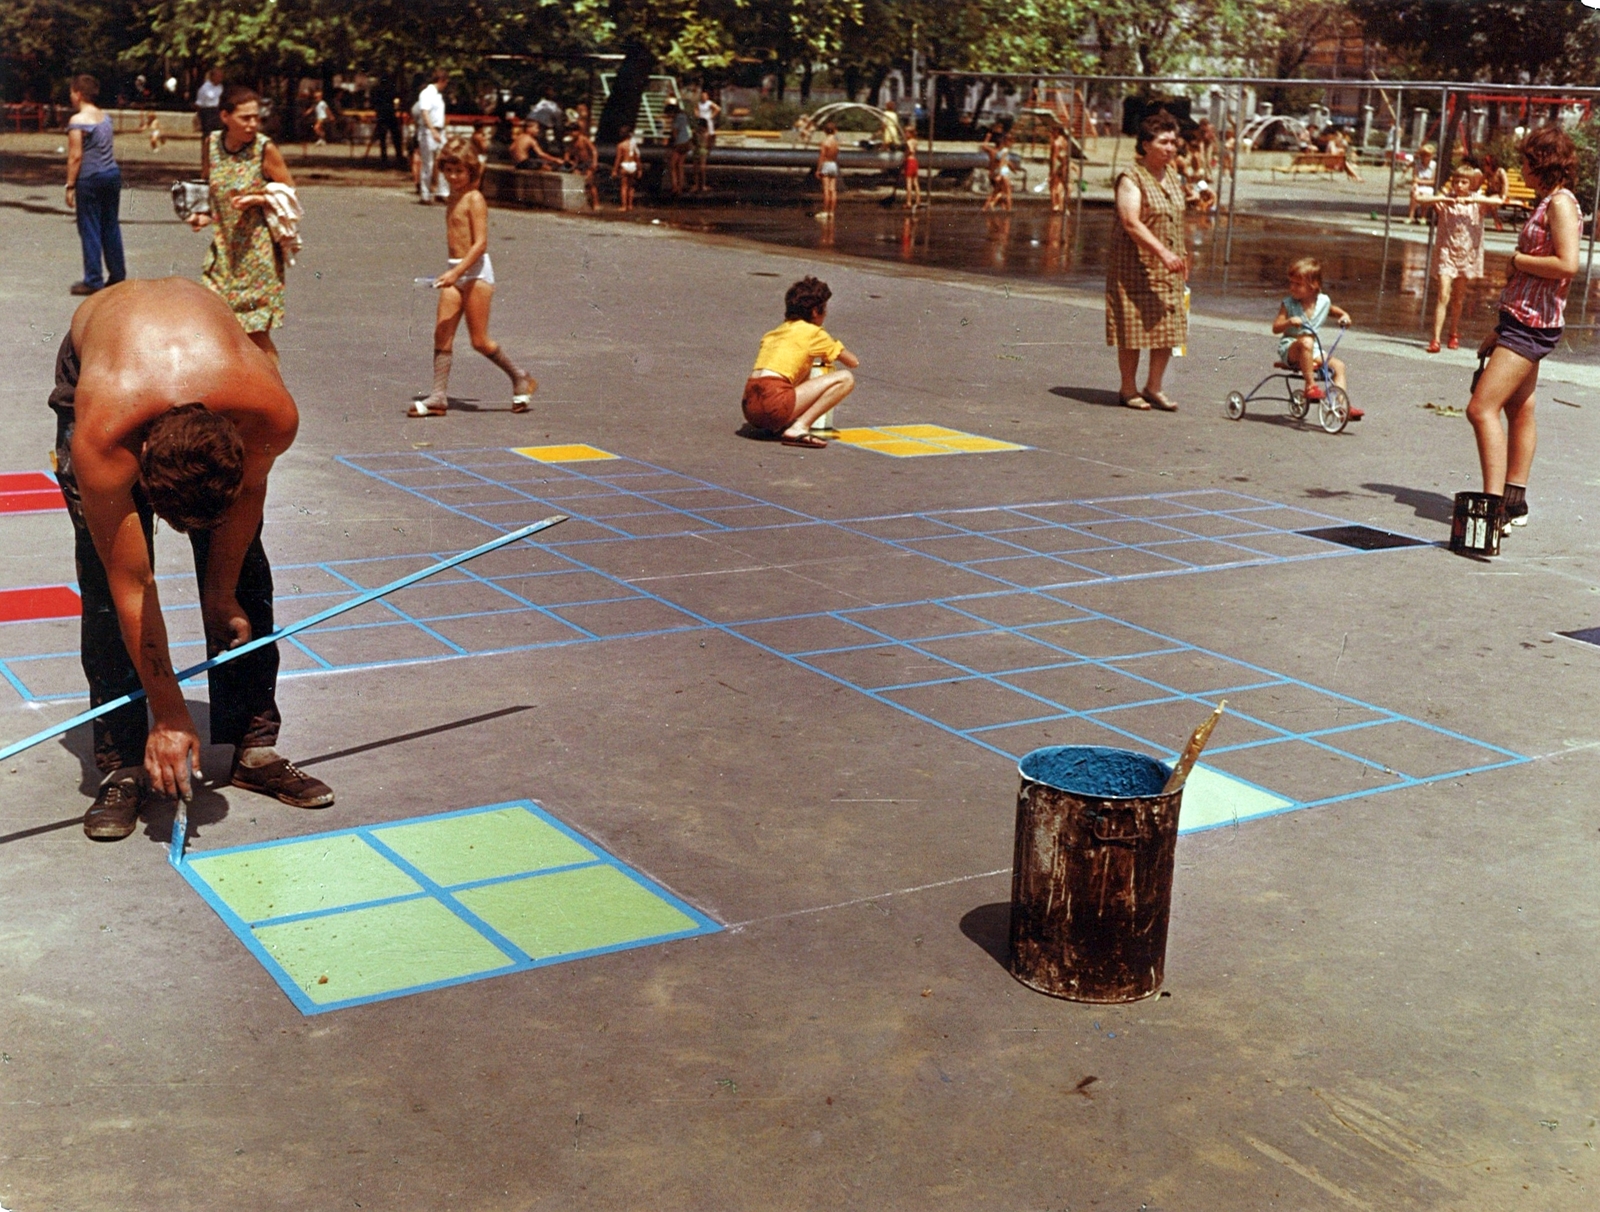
780	397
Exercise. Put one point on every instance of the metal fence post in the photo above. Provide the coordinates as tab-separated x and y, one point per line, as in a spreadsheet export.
1388	205
1233	177
1594	221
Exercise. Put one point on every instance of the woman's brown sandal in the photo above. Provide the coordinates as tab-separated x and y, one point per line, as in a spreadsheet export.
1157	400
1136	402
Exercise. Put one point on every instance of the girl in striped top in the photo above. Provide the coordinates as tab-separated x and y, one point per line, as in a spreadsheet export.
1532	310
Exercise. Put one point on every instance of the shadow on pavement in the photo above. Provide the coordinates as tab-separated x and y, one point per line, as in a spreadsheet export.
412	736
1430	506
1088	395
990	927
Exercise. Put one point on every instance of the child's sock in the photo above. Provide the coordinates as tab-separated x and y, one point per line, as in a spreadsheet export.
1515	503
499	358
439	397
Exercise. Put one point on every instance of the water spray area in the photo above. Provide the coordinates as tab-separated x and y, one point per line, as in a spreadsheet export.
671	856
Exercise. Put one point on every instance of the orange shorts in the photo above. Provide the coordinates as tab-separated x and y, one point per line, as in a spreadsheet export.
769	403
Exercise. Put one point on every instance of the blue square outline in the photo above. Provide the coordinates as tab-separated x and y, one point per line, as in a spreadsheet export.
516	959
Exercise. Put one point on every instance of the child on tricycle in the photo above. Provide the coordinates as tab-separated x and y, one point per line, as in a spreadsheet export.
1307	309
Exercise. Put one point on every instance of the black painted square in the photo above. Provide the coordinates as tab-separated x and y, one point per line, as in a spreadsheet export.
1364	538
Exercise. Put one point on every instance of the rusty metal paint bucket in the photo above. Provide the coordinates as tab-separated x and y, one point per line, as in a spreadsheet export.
1475	524
1091	883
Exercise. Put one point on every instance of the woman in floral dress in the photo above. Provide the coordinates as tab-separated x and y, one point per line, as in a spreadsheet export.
1145	273
244	265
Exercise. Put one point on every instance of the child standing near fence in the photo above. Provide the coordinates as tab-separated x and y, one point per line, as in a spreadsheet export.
467	286
1458	246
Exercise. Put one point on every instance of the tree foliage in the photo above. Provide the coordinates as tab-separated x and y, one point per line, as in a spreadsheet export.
858	41
1502	41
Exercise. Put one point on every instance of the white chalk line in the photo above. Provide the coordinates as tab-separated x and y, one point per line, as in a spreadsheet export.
864	900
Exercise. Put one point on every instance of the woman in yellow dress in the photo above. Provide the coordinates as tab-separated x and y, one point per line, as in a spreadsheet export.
244	264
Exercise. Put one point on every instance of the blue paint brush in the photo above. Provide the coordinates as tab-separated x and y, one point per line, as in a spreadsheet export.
180	832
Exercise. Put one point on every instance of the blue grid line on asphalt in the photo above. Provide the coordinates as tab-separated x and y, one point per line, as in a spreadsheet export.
1242	505
402	616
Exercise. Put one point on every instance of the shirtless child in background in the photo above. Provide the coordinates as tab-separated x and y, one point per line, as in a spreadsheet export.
828	170
585	159
468	285
164	406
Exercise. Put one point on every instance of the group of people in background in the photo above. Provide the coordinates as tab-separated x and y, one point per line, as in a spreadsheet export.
1147	308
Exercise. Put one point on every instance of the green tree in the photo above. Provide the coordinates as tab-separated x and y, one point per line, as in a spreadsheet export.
42	42
1504	41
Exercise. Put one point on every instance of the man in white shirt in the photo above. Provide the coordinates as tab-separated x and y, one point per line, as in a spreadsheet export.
429	116
208	105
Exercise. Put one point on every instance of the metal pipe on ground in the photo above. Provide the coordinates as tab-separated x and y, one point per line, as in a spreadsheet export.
233	654
1394	160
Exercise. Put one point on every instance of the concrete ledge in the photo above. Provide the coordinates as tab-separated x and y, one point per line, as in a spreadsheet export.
553	191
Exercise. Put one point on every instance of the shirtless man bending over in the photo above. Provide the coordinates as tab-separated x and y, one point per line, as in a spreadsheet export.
164	406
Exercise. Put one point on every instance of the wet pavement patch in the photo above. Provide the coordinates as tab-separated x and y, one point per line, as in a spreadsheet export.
376	912
1363	538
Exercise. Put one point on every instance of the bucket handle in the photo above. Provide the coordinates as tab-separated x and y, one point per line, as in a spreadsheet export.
1127	825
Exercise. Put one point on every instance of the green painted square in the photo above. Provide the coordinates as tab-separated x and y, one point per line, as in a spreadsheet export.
569	911
483	845
302	877
362	952
1213	798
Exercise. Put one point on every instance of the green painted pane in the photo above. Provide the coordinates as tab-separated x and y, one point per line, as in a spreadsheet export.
379	950
302	877
571	911
1211	798
483	845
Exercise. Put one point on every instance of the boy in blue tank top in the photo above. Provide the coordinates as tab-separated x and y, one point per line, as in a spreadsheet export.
1307	308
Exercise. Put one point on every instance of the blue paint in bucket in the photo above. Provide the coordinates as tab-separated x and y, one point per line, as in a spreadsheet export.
1095	771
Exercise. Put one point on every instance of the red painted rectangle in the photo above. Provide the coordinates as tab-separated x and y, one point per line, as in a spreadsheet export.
39	602
26	481
31	501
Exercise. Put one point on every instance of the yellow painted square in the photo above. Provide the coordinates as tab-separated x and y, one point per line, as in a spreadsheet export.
906	448
575	453
877	443
923	431
968	445
919	441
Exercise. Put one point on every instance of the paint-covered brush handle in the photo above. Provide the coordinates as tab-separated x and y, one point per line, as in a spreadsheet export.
180	833
1191	751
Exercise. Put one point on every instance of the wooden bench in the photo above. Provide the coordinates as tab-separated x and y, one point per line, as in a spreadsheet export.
1519	195
1314	162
